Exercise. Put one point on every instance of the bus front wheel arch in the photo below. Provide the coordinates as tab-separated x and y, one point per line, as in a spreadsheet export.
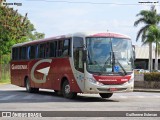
28	86
66	90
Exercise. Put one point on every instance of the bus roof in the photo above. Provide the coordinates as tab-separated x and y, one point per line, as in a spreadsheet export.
79	34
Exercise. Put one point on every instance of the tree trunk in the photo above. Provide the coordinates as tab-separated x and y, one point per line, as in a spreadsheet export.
150	57
156	58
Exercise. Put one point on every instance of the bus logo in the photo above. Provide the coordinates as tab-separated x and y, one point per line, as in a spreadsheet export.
44	71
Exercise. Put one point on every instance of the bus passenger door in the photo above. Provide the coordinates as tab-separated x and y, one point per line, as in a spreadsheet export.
78	63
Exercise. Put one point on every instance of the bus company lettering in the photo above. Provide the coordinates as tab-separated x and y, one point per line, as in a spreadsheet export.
19	67
107	80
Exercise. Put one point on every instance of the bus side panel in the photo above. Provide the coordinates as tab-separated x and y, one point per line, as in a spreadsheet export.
61	68
18	72
44	73
36	73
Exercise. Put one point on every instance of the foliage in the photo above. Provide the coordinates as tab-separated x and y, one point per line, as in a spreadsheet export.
148	18
154	76
5	59
15	28
153	34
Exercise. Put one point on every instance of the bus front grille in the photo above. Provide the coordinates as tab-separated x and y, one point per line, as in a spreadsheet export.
109	89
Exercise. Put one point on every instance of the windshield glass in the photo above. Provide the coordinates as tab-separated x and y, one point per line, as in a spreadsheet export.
109	55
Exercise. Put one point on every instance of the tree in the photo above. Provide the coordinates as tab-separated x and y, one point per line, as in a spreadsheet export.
148	18
154	34
14	28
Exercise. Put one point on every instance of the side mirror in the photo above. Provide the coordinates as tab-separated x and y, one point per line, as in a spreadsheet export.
134	54
84	56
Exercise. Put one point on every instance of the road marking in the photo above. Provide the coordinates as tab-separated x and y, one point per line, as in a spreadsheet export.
7	97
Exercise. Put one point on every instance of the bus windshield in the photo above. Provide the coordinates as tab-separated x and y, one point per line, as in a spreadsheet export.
109	55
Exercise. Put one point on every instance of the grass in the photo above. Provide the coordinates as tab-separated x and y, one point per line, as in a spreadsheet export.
5	79
5	74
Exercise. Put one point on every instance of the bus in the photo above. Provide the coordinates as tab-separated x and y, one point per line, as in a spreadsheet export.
99	63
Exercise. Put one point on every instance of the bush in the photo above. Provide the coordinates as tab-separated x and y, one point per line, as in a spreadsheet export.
154	76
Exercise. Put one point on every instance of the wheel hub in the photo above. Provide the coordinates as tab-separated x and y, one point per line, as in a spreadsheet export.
67	89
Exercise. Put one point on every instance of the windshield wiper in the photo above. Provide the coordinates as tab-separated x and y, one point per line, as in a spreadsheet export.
125	73
113	64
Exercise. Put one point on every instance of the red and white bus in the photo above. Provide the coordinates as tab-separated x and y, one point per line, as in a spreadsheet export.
75	63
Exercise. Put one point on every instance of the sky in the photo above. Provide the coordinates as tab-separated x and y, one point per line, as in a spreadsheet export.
60	17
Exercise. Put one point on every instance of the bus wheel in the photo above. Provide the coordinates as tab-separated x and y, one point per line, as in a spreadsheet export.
105	95
66	91
28	87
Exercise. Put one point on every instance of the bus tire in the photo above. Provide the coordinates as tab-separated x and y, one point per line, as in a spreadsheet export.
66	91
105	95
28	87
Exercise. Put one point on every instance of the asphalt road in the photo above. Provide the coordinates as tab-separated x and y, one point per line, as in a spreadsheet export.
13	98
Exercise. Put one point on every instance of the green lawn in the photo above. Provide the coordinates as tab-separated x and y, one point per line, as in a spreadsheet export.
5	78
3	81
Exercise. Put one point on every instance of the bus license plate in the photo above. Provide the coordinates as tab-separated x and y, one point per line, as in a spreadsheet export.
113	89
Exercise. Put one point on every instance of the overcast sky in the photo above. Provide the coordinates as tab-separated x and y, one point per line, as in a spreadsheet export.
57	17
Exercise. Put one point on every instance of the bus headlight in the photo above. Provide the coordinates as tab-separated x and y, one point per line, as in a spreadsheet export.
92	80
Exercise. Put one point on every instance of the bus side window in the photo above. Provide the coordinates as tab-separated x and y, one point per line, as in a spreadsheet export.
20	53
60	48
53	46
37	49
28	52
32	52
23	53
47	50
42	50
77	53
66	48
15	54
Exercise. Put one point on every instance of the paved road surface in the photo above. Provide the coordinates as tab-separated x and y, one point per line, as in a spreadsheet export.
13	98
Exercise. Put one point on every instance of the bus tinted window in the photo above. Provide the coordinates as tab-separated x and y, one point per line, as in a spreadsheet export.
32	52
60	48
15	54
23	52
42	48
28	52
66	47
53	46
63	48
47	50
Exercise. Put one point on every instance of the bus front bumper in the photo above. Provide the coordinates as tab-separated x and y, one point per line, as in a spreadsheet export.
96	88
